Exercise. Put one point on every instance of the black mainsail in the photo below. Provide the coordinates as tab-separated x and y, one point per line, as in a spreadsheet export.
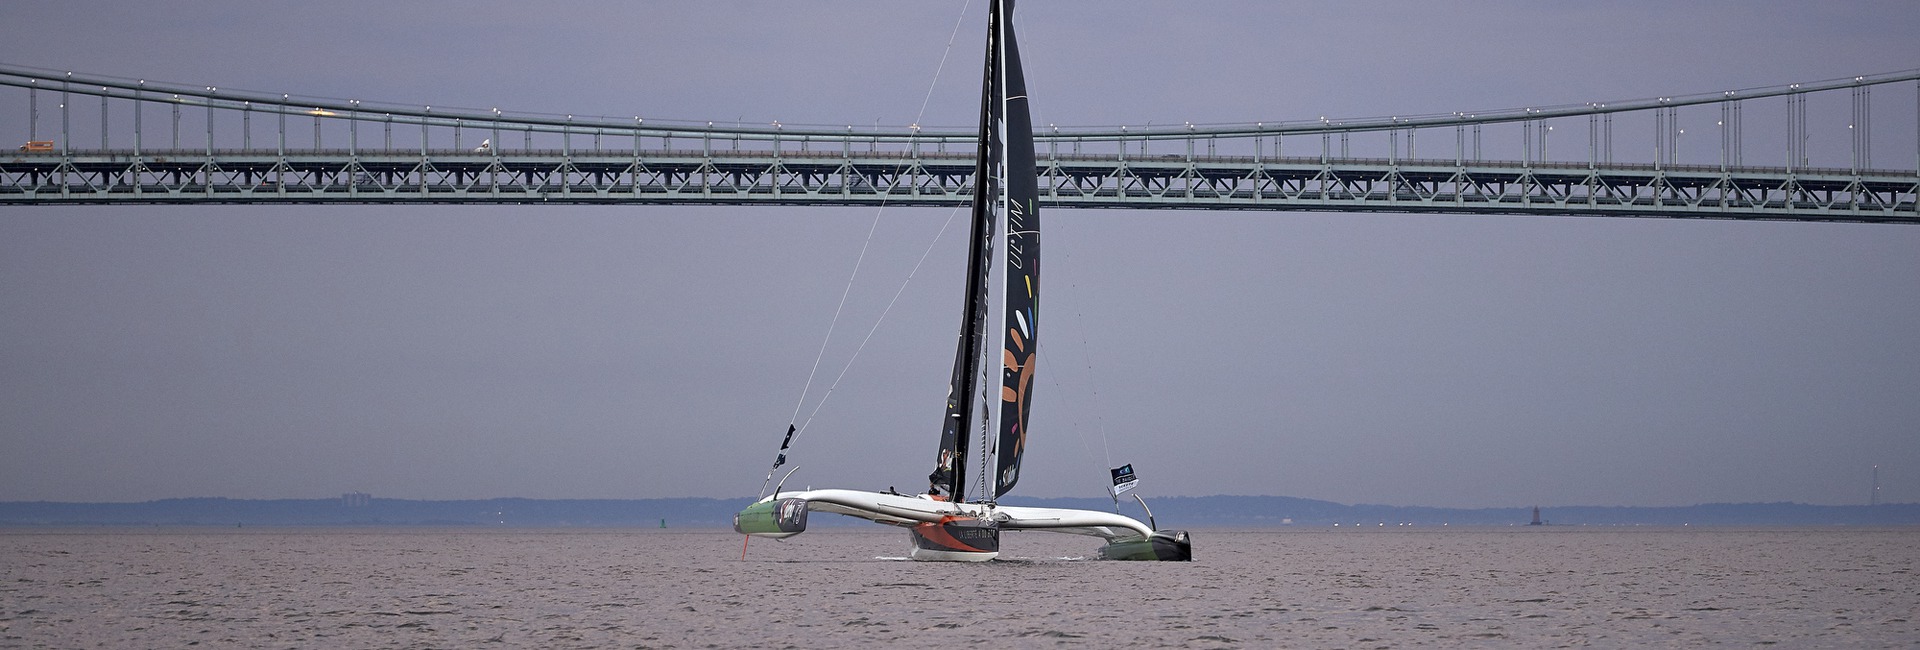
1004	196
1022	296
1005	192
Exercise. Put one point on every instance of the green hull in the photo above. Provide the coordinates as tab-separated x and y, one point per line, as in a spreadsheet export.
774	518
1165	546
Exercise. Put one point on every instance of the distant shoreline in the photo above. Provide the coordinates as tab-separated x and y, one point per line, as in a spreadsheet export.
1253	512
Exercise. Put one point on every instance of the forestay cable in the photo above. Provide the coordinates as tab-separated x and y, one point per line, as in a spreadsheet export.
792	430
924	102
878	321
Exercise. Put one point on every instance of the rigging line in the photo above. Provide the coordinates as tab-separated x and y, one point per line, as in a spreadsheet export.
1079	434
792	431
988	442
986	450
990	371
925	100
943	60
877	321
1086	350
836	314
984	480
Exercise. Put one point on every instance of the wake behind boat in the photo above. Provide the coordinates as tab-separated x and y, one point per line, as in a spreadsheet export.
943	525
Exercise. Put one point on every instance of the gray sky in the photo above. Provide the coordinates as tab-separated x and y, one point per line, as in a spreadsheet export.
586	352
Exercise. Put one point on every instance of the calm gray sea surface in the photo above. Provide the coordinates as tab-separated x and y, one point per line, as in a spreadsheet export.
570	588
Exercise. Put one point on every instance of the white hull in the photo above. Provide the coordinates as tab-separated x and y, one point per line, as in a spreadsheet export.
925	555
941	531
904	510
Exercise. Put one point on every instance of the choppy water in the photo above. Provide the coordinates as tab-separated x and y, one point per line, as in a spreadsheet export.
838	588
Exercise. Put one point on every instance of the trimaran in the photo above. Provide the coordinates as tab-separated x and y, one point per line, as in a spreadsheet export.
943	525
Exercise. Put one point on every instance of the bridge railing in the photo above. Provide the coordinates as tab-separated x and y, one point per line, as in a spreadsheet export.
952	158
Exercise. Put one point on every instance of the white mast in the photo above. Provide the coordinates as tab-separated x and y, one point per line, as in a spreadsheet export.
998	261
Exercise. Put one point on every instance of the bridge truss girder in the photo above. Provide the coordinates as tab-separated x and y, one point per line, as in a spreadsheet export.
933	179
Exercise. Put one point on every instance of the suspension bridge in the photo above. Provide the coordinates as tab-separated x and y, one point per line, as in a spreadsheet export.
104	140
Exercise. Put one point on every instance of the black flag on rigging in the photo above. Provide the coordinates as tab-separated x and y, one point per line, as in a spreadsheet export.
782	458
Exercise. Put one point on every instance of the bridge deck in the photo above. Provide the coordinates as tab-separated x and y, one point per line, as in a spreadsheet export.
937	178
